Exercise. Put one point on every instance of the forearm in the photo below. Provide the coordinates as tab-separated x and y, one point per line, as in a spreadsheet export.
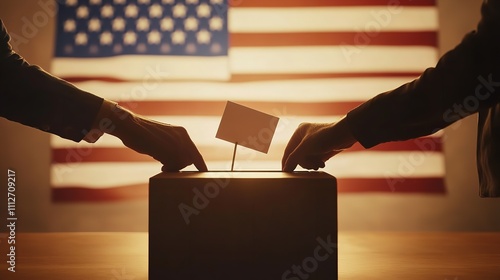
111	119
33	97
340	136
435	100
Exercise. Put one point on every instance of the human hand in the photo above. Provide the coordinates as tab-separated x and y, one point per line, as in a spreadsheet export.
312	144
169	144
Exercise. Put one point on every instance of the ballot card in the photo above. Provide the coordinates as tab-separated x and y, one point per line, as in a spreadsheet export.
247	127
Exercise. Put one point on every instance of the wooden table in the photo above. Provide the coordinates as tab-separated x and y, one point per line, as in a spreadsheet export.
362	255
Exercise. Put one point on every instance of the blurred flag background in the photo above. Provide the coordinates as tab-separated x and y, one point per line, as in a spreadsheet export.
302	60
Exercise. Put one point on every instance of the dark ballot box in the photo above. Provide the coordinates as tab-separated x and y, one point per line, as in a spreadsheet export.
242	225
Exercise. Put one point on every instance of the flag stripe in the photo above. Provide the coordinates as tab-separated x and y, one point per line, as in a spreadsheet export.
417	38
295	90
240	78
328	59
255	60
324	19
216	108
152	67
122	154
297	76
344	185
434	185
326	3
369	164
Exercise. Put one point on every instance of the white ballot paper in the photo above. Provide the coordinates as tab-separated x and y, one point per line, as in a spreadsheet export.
247	127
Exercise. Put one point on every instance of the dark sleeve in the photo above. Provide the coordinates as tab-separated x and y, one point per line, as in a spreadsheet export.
33	97
464	81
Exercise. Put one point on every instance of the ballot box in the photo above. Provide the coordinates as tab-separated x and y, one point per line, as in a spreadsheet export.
242	225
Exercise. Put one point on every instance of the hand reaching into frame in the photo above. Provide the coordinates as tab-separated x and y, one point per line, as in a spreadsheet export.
312	144
168	144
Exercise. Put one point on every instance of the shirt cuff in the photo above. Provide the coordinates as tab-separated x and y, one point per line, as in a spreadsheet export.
96	132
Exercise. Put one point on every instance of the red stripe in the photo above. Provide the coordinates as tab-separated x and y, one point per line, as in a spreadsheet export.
326	3
122	154
395	185
240	78
82	194
345	185
360	39
216	108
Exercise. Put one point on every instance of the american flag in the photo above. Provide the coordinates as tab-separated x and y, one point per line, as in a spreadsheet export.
179	61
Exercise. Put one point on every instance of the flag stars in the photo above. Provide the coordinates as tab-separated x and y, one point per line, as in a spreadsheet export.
216	2
119	2
129	38
131	11
169	2
71	3
93	49
191	1
117	48
69	25
143	2
191	23
119	24
155	11
216	48
216	23
165	48
203	10
95	2
142	24
178	37
106	38
68	49
203	37
179	10
81	38
154	37
190	48
82	12
94	25
142	48
107	11
167	24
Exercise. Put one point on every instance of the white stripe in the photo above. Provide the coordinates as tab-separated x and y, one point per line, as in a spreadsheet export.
360	165
253	60
324	19
330	59
202	131
310	90
146	68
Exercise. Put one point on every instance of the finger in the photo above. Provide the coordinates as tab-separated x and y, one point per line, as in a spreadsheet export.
198	160
312	164
291	146
292	161
169	168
